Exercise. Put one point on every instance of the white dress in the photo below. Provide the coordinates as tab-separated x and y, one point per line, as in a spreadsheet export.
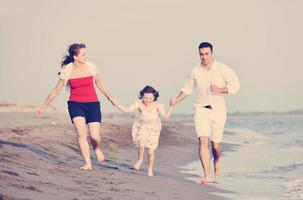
147	126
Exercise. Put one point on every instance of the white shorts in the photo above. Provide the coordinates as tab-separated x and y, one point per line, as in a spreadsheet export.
210	123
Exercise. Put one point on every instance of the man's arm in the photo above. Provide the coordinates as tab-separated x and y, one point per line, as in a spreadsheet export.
186	90
215	89
231	80
178	99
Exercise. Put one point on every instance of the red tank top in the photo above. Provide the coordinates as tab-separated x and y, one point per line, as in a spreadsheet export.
82	89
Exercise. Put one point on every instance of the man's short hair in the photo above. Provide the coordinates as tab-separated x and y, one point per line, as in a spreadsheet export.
206	45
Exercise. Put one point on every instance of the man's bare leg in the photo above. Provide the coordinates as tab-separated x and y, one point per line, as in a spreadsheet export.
216	150
204	155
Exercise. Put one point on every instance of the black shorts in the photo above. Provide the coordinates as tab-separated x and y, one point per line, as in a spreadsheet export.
91	111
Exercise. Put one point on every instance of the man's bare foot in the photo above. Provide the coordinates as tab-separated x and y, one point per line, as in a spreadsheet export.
100	156
205	180
217	173
138	164
86	167
150	173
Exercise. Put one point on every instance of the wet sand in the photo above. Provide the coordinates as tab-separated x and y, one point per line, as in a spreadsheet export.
40	159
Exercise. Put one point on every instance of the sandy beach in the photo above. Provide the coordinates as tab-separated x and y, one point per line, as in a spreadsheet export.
40	159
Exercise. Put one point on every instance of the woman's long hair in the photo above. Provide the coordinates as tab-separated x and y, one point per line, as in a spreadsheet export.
73	50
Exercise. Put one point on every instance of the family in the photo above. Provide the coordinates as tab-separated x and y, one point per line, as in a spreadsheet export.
210	77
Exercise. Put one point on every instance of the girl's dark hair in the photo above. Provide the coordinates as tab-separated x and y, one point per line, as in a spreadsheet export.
73	50
149	89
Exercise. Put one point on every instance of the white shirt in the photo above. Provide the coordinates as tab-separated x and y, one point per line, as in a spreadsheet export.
219	75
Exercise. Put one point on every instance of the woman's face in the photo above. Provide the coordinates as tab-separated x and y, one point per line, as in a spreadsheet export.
81	57
148	98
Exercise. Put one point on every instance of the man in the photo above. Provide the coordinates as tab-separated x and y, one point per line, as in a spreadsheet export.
212	79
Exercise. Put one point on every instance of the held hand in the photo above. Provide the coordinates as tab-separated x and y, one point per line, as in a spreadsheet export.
40	110
114	102
173	102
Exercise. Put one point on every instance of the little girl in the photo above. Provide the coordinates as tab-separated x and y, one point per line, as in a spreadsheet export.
146	129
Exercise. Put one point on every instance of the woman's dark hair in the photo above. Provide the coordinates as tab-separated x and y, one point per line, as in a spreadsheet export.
73	50
149	89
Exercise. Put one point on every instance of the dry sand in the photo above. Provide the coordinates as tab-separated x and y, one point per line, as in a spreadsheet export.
40	159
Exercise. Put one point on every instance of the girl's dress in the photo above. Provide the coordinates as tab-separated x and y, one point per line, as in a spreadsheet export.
147	126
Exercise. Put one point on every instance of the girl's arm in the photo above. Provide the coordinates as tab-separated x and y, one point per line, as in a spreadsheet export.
165	114
55	91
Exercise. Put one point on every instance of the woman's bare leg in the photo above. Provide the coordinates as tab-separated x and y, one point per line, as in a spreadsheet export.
95	139
81	128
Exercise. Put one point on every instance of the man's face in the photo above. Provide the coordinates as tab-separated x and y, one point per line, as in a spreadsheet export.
206	55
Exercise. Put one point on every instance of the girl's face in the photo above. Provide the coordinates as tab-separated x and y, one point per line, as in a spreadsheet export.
81	57
148	98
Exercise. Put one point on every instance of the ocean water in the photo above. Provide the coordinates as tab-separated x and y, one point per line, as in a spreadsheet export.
266	159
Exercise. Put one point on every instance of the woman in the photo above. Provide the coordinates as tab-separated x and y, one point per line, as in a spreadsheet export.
83	105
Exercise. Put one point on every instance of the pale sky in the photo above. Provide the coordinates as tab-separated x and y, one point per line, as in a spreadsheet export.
155	42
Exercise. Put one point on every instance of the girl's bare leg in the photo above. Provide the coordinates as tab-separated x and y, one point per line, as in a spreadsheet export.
140	155
151	158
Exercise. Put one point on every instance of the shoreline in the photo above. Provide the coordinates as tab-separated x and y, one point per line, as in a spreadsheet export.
40	159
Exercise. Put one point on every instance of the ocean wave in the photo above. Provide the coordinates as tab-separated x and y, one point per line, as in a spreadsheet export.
280	169
293	149
246	133
242	136
293	189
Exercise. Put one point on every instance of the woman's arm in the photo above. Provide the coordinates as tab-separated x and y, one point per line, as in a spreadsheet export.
102	88
55	91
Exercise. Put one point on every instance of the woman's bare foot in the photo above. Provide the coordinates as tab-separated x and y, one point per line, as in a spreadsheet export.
100	156
205	180
86	167
138	164
150	173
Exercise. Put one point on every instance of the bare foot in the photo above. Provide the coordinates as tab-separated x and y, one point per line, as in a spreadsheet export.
138	164
86	167
150	173
100	156
205	180
217	173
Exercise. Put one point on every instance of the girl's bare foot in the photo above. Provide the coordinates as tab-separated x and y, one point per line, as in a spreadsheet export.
86	167
100	156
138	164
150	173
205	180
